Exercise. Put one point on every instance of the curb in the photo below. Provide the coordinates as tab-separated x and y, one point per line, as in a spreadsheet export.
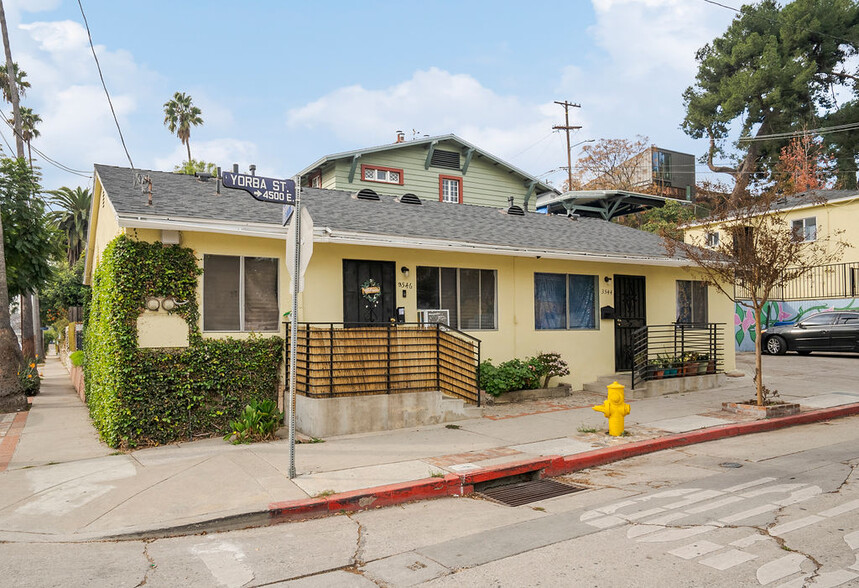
547	467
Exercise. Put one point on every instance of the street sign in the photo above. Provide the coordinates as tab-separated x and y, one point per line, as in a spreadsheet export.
263	189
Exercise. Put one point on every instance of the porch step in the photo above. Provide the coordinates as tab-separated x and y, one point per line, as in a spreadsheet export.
600	385
456	409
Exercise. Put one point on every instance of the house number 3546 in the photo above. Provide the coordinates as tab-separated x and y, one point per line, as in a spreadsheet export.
406	285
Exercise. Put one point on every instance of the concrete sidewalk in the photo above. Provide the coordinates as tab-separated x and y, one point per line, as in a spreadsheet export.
63	484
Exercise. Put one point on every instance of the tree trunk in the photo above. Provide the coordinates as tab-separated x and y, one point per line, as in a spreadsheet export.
188	145
759	376
37	327
11	394
28	345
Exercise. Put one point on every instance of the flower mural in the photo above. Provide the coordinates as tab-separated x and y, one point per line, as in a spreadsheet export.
778	311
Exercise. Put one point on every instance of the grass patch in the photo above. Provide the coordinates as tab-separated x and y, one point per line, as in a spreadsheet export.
539	508
452	427
324	494
436	474
587	429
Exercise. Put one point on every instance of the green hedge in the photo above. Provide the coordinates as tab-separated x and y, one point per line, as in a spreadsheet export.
150	396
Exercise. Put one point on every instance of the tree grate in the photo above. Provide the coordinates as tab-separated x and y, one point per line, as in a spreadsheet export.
527	492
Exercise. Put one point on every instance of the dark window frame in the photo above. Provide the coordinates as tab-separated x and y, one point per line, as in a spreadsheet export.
242	300
566	304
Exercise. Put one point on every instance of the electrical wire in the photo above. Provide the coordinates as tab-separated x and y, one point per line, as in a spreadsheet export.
738	11
101	76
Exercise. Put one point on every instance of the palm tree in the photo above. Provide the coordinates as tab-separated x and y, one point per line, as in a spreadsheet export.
179	115
29	120
22	84
72	218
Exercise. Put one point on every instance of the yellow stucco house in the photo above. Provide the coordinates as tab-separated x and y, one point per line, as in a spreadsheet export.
519	283
817	215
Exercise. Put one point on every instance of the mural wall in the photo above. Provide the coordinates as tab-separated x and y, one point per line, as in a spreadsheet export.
776	311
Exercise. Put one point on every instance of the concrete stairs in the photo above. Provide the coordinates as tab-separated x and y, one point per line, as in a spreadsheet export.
603	381
456	409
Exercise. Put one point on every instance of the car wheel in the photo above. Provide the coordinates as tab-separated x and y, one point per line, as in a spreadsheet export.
776	345
804	352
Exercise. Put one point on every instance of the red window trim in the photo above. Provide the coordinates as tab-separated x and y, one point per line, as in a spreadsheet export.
390	169
313	177
441	180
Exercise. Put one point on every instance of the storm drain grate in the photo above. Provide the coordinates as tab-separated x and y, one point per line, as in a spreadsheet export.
526	492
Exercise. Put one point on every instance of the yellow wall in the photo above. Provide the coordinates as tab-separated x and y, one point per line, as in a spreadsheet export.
831	218
590	354
106	226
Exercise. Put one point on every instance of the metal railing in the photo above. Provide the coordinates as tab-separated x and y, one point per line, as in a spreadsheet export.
677	350
834	280
357	359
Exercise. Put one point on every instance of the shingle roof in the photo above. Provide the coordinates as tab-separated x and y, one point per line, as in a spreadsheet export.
177	196
812	197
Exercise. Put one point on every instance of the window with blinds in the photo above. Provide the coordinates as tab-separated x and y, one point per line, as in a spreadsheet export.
240	293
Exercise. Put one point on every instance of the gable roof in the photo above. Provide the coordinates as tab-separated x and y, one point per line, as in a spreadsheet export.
181	202
541	185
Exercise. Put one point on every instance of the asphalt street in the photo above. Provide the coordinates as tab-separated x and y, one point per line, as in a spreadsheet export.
789	516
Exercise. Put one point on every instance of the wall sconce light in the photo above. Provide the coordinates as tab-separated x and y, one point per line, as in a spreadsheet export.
153	303
607	279
405	271
168	303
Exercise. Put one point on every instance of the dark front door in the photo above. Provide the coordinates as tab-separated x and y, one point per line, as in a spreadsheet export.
368	291
629	313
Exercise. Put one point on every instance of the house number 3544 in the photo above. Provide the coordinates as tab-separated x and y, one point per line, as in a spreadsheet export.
605	291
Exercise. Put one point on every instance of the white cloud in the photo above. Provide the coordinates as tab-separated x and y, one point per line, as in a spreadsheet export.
214	150
434	102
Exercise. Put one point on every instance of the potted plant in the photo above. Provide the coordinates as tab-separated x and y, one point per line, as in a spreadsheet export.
703	362
689	361
670	366
655	369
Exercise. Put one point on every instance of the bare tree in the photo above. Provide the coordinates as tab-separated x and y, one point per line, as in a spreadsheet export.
611	164
758	251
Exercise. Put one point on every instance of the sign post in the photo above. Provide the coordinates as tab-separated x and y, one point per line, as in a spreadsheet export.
285	192
293	324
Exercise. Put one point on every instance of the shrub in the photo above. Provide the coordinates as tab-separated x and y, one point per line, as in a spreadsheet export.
510	375
77	358
259	421
152	396
31	383
550	365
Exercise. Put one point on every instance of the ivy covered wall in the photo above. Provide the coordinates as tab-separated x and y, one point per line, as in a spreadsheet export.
150	396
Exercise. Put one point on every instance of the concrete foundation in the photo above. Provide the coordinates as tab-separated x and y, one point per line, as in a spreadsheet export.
677	385
328	417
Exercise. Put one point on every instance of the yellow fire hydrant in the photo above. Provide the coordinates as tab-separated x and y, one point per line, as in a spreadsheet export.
614	408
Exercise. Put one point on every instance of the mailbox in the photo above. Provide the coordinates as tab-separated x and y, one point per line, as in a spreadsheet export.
607	312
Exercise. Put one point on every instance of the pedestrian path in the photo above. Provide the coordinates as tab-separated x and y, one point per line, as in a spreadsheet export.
62	483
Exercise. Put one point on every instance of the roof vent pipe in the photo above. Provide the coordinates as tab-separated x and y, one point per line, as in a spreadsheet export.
401	137
510	201
218	190
235	168
253	169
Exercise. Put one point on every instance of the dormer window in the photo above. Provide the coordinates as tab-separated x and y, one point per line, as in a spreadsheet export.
384	175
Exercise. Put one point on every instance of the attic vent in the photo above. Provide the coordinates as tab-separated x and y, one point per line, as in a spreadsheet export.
367	194
516	211
446	159
410	199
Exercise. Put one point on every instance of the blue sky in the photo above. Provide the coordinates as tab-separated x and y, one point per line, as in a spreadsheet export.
282	83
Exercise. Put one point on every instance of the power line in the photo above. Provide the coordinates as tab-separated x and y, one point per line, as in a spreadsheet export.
53	162
103	85
738	11
789	134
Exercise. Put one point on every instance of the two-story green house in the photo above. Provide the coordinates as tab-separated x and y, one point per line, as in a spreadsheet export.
444	168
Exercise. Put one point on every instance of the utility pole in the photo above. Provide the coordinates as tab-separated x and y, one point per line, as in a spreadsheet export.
567	128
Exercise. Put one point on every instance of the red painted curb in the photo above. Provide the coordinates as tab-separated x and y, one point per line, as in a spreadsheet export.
550	466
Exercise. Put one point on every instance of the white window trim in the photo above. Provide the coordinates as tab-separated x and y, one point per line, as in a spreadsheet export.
712	239
241	328
804	227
